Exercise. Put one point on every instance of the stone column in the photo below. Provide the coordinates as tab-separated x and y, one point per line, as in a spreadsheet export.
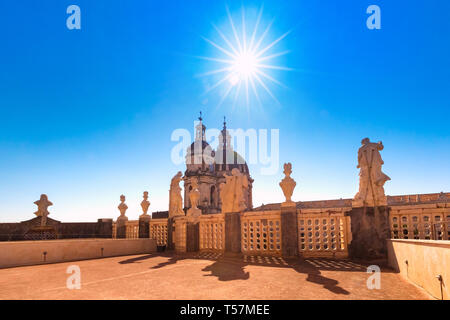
170	234
104	228
192	236
233	232
289	230
144	226
121	228
370	230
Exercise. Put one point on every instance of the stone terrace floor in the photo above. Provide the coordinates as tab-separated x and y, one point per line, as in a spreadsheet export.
204	276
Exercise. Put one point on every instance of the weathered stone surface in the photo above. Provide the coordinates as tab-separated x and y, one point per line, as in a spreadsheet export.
289	231
122	208
233	191
194	195
370	229
287	185
233	232
144	226
192	237
42	211
175	199
170	233
371	178
145	204
72	230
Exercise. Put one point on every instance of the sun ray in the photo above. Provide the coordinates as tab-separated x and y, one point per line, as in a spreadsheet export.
214	72
220	48
246	91
279	54
252	40
234	30
226	40
224	96
265	87
216	59
218	83
262	36
245	68
268	66
236	95
244	39
265	75
272	44
252	82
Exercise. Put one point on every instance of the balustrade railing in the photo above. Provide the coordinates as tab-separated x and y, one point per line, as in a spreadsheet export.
212	232
132	229
261	233
323	235
158	231
420	224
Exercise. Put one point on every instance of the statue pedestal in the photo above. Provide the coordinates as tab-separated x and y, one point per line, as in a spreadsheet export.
121	227
233	232
192	236
144	226
289	229
370	230
194	213
288	204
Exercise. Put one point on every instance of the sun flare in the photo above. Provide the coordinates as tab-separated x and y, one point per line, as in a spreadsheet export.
244	63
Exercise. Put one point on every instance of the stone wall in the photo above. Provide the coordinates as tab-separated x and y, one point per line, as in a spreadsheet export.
73	230
422	261
22	253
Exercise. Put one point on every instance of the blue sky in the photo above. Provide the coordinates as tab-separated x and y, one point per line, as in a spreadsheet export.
87	114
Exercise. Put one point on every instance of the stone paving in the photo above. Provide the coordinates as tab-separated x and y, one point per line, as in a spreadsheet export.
204	276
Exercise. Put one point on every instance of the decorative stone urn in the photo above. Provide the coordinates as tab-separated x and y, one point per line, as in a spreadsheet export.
145	204
122	208
287	185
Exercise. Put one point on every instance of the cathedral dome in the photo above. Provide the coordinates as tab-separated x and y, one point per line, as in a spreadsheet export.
228	159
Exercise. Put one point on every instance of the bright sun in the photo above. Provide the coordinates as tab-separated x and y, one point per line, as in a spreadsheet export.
245	63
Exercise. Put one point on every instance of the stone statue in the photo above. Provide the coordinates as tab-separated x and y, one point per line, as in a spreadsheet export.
145	204
122	208
42	211
175	199
288	184
233	191
371	178
194	195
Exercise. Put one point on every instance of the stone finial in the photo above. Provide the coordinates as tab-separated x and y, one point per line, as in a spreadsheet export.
43	203
371	178
122	208
145	204
287	185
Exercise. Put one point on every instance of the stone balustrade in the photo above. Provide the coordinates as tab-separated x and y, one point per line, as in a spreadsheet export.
261	233
424	221
158	231
212	232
